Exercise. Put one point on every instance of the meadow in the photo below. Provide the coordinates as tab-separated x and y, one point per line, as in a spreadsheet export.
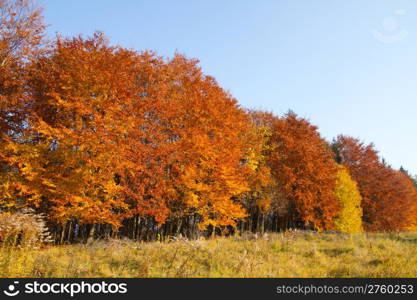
287	254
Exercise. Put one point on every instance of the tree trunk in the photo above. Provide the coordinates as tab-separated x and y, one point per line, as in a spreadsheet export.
63	233
91	234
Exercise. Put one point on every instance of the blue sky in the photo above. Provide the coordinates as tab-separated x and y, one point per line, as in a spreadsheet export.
348	66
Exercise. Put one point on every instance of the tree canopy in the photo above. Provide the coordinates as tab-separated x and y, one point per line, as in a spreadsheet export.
109	141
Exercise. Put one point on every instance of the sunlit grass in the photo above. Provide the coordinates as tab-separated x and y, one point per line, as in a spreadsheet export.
293	254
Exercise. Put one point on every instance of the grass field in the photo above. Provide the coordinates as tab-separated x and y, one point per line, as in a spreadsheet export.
291	254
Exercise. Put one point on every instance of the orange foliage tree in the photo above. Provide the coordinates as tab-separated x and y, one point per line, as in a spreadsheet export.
306	171
79	117
21	32
206	148
389	197
113	134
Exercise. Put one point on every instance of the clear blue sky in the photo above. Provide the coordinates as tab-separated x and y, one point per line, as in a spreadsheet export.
348	66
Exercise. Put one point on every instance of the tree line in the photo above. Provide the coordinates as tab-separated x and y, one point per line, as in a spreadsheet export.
111	142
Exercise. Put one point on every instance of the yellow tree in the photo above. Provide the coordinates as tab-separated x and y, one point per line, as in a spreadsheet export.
264	198
349	218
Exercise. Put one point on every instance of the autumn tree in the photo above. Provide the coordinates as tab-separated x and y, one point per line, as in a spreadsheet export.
189	146
388	195
69	164
114	134
349	217
21	32
263	201
207	145
411	177
304	167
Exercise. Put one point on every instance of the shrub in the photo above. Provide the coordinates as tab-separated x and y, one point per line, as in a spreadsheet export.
24	228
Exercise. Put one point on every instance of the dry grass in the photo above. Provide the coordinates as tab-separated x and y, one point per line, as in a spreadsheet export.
293	254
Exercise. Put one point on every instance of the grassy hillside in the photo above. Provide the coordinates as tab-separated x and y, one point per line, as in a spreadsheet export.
292	254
